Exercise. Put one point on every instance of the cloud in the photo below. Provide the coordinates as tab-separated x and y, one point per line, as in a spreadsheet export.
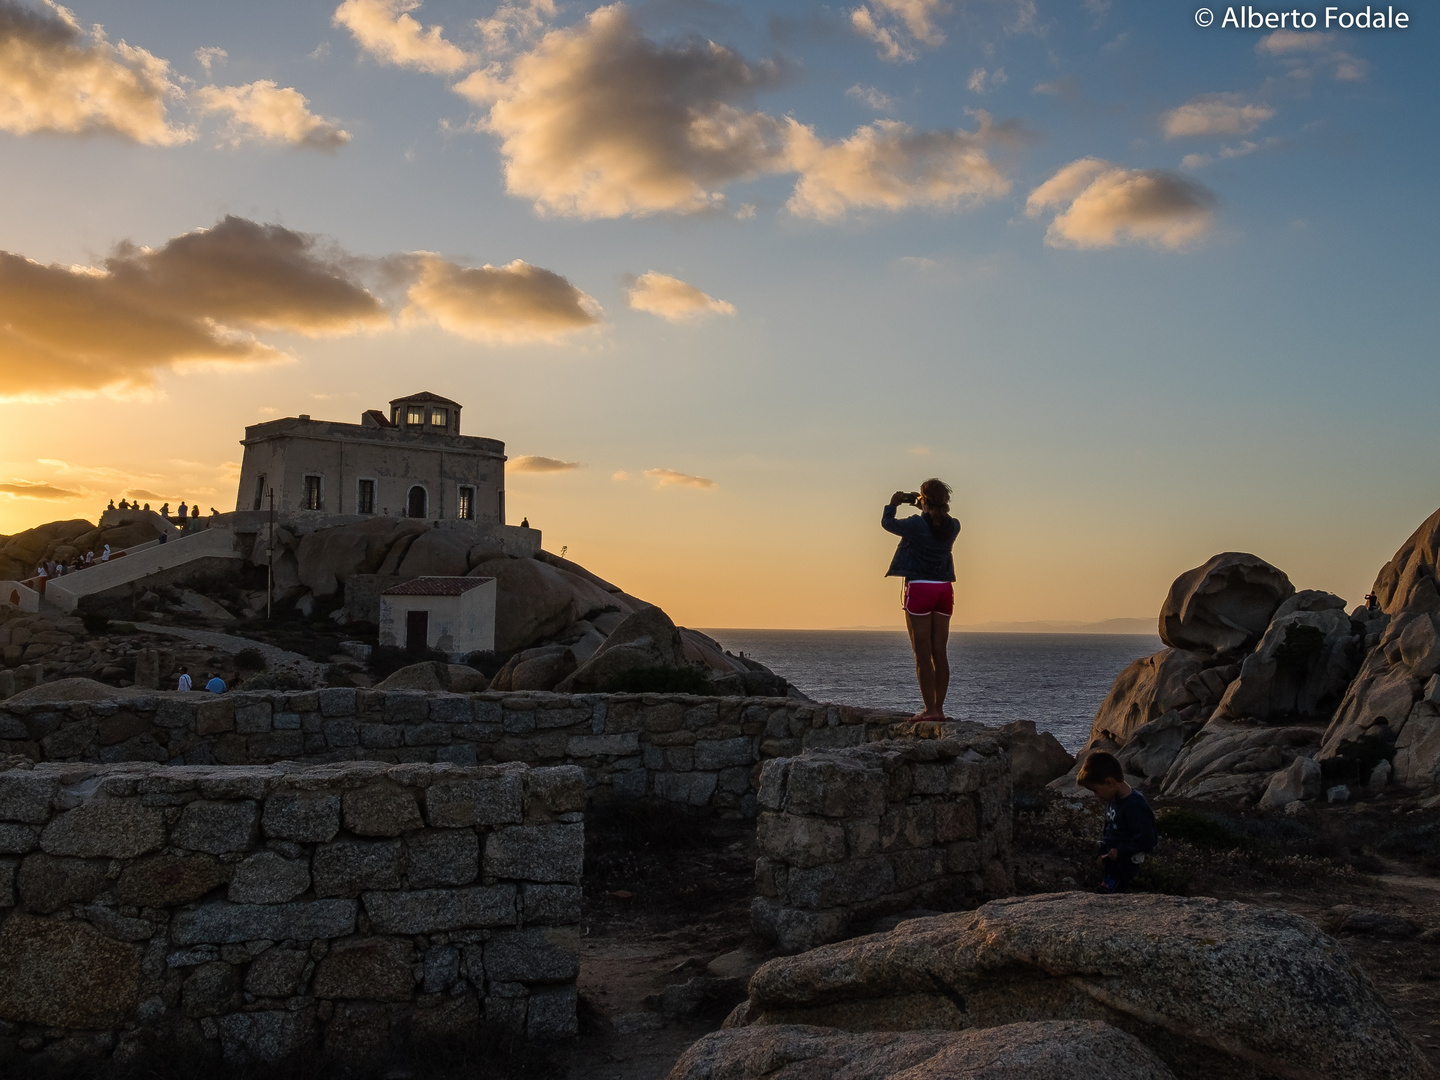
515	24
620	474
672	299
209	56
872	98
387	31
66	329
1214	114
670	478
147	495
34	489
261	110
1106	205
899	27
1299	50
512	303
533	463
981	79
598	121
57	77
888	165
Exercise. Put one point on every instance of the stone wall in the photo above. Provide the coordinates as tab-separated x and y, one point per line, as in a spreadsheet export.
254	911
696	751
847	836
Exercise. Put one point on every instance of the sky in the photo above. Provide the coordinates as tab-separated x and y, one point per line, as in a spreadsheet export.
723	276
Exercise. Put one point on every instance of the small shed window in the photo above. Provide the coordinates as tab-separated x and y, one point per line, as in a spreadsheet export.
365	497
439	417
465	504
415	414
313	494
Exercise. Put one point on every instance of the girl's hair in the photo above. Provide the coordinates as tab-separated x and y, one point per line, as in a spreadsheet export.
936	494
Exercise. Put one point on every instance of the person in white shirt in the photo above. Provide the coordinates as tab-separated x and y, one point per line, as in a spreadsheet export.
105	555
184	679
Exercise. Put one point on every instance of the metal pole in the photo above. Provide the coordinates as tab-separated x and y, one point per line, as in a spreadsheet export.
270	560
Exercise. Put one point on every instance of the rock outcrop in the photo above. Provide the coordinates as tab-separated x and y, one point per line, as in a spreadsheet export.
1213	988
1302	665
1055	1050
1223	605
645	639
327	558
535	600
1391	707
1147	689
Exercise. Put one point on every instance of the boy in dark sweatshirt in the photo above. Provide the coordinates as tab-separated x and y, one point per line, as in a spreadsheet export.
1129	822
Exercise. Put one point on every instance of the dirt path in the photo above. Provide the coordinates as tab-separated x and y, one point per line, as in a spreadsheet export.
277	660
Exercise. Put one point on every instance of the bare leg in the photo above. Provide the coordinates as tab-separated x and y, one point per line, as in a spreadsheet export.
920	634
940	657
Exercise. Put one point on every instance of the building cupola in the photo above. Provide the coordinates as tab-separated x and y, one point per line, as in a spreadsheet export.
426	412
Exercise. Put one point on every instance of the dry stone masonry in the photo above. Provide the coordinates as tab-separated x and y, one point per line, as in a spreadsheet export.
846	836
255	911
694	751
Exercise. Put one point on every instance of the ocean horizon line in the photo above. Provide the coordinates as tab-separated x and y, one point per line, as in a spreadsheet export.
1124	627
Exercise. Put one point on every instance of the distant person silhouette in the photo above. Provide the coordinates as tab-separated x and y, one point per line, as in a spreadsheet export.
182	511
184	683
923	558
525	523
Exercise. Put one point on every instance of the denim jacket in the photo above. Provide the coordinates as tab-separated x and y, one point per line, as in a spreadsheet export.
920	556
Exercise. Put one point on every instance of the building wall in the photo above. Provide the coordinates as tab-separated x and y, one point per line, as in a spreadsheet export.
258	912
458	625
395	460
673	749
846	836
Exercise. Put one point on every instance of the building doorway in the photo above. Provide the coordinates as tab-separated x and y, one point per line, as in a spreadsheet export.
415	503
417	631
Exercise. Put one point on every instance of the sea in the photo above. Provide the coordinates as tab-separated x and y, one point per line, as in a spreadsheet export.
1056	680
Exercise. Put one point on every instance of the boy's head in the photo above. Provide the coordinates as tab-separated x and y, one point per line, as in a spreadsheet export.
1101	774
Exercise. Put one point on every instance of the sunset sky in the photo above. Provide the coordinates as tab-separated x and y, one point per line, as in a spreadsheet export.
724	276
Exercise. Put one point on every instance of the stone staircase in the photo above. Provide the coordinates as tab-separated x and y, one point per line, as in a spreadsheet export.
137	563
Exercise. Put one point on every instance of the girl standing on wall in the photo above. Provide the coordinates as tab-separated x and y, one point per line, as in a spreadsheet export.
923	558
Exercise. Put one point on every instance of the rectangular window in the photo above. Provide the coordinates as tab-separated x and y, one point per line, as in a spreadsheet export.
365	497
312	493
260	492
439	417
465	505
414	415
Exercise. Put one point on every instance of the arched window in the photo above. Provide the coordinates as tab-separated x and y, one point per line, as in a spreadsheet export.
415	504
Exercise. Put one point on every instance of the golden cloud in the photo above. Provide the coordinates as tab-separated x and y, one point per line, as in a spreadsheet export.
889	166
512	303
672	299
1214	114
599	121
55	76
67	329
262	110
534	463
898	26
670	478
35	489
387	31
1100	204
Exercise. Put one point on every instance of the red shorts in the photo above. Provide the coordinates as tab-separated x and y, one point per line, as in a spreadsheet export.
925	597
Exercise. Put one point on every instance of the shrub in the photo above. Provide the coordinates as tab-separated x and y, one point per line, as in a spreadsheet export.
96	622
122	627
1300	644
386	661
250	659
660	680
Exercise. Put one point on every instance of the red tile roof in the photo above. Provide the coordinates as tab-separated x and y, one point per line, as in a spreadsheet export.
436	586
